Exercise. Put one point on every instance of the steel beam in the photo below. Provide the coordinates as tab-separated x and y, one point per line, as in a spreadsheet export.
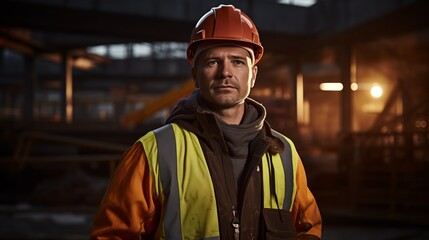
158	104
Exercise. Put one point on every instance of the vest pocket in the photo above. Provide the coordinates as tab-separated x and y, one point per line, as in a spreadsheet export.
278	224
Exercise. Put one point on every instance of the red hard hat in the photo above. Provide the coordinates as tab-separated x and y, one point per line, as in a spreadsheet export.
225	24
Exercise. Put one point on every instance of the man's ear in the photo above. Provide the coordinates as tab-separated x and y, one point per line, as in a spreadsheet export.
254	74
194	76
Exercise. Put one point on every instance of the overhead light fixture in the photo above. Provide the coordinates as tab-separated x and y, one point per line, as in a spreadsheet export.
83	63
376	91
331	86
301	3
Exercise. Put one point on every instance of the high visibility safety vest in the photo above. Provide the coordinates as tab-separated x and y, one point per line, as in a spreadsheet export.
183	184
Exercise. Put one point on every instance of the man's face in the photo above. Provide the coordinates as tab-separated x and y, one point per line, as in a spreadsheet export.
225	75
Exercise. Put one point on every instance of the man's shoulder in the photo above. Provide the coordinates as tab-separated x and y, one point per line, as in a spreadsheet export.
285	139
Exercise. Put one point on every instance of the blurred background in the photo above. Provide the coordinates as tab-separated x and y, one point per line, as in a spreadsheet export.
346	80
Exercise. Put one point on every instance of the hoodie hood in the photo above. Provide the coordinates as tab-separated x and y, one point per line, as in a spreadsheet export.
189	112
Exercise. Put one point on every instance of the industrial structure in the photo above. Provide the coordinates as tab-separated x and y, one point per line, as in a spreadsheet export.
347	80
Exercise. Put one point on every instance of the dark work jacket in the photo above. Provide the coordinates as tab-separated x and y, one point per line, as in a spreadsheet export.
246	199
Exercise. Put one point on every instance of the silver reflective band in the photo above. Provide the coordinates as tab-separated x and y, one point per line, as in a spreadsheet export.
166	144
287	160
167	159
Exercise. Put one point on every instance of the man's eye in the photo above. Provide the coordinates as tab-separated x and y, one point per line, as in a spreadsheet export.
211	62
238	62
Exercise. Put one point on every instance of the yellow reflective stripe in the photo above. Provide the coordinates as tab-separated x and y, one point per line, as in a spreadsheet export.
197	198
151	150
280	186
295	158
266	183
281	170
270	200
195	216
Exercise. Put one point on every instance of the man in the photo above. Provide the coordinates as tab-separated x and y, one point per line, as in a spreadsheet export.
216	170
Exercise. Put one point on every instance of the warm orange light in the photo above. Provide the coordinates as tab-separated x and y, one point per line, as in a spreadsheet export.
300	98
83	63
331	86
376	91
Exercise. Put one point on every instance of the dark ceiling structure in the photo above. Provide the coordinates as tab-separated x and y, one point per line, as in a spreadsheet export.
76	24
294	35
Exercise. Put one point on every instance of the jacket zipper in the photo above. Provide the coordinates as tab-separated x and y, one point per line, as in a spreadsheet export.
231	189
254	166
236	224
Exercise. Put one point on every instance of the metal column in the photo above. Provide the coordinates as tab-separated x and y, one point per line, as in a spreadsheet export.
66	89
346	100
347	162
295	74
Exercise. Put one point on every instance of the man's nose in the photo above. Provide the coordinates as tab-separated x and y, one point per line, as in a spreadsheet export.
225	70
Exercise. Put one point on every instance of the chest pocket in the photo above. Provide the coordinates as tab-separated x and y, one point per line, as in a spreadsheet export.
278	224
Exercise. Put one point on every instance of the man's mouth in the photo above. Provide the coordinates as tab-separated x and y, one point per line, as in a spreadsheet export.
221	87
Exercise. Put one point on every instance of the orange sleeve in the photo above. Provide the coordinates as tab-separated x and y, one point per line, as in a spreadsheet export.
305	211
128	209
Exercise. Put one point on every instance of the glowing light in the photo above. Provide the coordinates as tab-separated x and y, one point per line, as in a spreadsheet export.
420	124
99	50
332	86
83	63
302	3
300	98
354	87
376	91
